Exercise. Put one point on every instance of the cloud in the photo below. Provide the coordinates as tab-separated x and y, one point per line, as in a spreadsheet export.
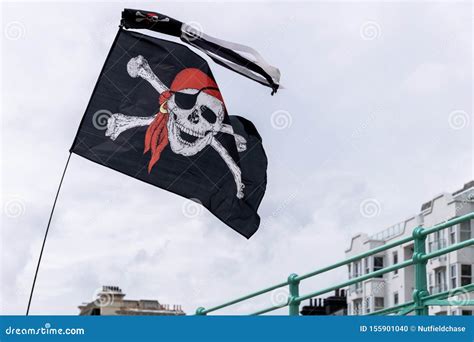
428	78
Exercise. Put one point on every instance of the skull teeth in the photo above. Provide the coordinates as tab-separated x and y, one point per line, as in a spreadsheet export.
189	131
184	142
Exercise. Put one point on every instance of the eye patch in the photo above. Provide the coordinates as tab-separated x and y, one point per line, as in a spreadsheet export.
188	101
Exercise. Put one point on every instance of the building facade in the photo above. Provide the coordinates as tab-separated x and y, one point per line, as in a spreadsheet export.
110	302
444	273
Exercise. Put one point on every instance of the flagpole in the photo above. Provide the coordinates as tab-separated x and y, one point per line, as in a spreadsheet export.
46	234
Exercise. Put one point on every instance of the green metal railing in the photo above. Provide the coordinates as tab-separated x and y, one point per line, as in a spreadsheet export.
422	299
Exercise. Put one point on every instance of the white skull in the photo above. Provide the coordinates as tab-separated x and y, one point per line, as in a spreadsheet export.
193	120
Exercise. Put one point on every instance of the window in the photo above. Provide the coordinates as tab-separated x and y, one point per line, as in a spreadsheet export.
465	230
430	281
357	307
466	313
358	286
452	235
378	303
356	269
433	242
378	264
430	246
395	261
466	274
395	298
437	243
366	264
367	305
440	281
349	271
453	276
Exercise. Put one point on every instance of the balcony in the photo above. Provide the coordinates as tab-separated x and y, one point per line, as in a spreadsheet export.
439	288
440	262
375	287
355	290
434	246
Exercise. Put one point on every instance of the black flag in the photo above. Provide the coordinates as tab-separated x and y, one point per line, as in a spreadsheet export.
156	114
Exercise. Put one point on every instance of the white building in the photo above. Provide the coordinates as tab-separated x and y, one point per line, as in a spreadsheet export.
444	273
110	302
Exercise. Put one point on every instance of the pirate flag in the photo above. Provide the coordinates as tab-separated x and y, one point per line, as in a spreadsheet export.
157	114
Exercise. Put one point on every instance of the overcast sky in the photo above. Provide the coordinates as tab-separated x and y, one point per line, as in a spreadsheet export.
376	114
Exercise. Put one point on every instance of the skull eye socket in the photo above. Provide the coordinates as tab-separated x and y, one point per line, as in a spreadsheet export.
208	114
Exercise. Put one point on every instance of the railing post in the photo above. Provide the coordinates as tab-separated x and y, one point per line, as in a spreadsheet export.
421	289
293	302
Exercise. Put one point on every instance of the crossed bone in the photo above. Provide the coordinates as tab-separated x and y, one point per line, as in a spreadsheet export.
150	17
118	123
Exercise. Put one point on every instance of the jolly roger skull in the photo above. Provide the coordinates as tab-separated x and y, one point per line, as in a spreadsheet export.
194	116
